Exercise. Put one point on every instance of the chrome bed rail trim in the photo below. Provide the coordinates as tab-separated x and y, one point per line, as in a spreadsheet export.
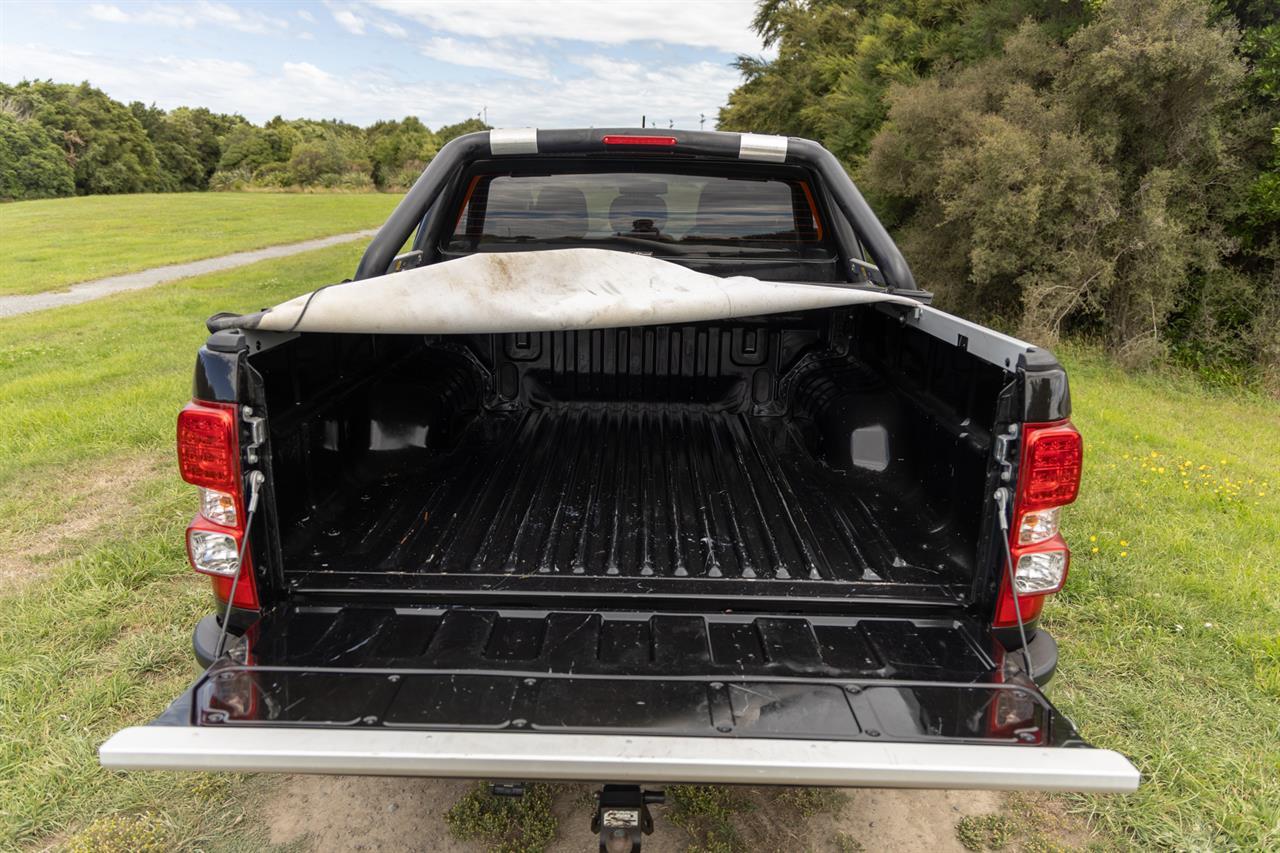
619	758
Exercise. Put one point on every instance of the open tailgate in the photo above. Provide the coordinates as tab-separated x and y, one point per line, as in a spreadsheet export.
622	697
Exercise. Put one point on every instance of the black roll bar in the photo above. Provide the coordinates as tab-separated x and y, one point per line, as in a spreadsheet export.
463	150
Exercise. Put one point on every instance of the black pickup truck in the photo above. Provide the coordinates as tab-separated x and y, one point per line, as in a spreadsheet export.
628	457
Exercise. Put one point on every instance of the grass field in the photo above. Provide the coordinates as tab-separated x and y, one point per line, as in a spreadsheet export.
1170	622
48	245
1170	629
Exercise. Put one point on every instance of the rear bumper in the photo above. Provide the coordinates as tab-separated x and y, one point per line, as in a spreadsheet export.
1044	657
204	638
615	758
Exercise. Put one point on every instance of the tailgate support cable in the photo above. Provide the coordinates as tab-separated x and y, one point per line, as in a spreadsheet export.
1002	501
256	480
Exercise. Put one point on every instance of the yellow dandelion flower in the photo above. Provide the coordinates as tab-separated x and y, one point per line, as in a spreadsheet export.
1124	553
1094	549
1093	538
1123	543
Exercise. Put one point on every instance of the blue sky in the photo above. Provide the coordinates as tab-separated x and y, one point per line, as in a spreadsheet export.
530	62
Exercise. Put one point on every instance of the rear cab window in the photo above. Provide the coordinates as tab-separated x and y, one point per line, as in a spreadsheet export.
769	225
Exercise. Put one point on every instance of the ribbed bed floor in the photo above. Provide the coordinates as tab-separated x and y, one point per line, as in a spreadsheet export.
628	492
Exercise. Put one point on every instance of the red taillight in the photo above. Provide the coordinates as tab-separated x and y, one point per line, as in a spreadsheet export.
1048	479
1052	458
207	445
209	457
613	139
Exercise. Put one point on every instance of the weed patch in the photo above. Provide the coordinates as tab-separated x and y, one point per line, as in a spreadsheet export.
505	824
985	832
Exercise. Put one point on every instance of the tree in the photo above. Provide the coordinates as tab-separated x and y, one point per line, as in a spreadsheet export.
246	148
311	162
105	143
1072	186
32	165
452	131
394	145
837	58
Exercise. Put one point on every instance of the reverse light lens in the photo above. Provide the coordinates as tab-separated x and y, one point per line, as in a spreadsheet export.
1042	571
218	506
1038	526
213	553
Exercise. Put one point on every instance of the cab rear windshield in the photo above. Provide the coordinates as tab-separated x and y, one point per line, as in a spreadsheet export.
689	215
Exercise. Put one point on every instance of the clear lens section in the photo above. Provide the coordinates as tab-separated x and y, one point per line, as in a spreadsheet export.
1038	526
215	553
1041	572
218	506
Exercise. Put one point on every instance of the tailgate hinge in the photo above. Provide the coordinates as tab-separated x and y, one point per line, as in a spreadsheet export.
257	434
1003	446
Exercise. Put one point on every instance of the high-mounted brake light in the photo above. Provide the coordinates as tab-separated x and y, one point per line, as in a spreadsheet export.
209	458
1048	478
614	139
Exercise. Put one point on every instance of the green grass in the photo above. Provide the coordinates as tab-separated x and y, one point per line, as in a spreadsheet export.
1170	622
48	245
103	640
1169	632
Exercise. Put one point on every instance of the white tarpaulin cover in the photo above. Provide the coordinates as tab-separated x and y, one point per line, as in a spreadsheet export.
542	291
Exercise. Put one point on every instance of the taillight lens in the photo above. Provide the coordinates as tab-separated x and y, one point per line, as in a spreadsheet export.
1048	478
207	447
209	458
1052	459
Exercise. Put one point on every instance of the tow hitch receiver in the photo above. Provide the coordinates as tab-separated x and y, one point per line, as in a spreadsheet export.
622	817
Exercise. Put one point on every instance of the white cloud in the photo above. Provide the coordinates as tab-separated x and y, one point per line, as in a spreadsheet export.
188	16
392	29
508	60
349	21
306	16
721	24
105	12
593	90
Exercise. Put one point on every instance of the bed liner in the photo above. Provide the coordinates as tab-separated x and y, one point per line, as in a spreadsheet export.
653	497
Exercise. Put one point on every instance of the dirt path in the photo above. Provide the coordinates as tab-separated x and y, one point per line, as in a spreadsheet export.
86	291
383	814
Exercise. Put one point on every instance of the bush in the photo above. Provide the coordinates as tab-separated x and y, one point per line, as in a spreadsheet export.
1069	187
234	180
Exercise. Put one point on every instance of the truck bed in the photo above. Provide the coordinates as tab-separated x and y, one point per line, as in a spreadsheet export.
637	497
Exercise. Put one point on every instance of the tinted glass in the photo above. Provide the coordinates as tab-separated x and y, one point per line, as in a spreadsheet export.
609	208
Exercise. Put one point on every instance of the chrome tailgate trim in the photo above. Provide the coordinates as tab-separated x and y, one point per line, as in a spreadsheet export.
619	758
